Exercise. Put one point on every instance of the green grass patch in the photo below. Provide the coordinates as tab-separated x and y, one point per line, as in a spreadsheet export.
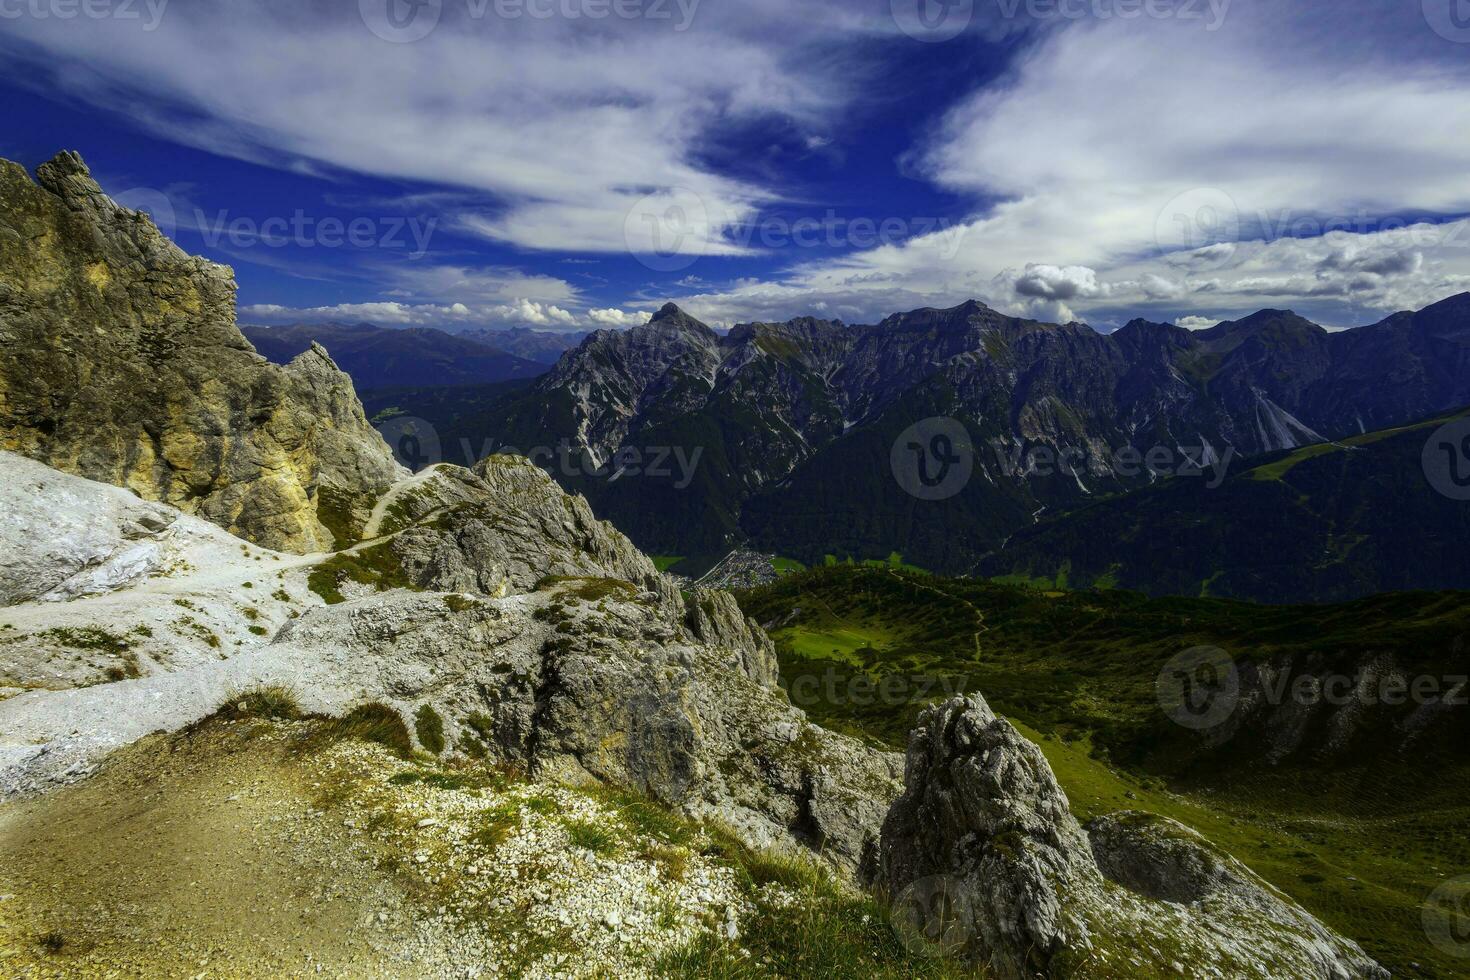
377	567
589	589
597	838
429	727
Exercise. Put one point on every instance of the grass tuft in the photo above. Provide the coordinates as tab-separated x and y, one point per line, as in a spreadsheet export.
269	701
430	729
373	722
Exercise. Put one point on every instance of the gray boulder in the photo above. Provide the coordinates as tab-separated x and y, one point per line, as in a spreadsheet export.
983	836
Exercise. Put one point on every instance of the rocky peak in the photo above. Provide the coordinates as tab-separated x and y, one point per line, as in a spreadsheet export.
121	362
1277	329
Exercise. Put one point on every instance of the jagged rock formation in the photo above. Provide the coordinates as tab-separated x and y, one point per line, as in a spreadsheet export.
120	361
554	645
504	526
796	420
983	822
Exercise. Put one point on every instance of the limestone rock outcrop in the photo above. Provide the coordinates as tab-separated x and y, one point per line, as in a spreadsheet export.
984	837
120	361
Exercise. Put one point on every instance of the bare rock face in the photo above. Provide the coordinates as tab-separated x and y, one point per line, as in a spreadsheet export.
983	824
120	361
503	528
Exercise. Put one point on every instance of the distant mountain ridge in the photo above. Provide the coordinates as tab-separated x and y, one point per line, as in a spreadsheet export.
797	420
541	346
380	357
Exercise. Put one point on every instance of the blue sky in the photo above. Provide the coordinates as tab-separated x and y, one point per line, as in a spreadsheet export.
568	164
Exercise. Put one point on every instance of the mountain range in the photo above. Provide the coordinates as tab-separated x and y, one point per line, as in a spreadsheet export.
381	357
795	424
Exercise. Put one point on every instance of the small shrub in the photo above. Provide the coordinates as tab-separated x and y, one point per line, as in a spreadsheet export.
430	729
459	603
258	630
52	942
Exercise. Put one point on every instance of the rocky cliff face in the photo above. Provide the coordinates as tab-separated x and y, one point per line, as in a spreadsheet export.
120	361
983	849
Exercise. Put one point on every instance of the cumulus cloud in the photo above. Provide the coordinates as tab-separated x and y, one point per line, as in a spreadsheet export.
618	319
1051	282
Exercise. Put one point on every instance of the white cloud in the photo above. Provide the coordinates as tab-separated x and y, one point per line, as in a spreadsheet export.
618	319
1138	165
564	126
453	316
1196	322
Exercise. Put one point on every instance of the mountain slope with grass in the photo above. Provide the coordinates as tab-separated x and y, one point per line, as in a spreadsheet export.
483	733
1347	806
1330	522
